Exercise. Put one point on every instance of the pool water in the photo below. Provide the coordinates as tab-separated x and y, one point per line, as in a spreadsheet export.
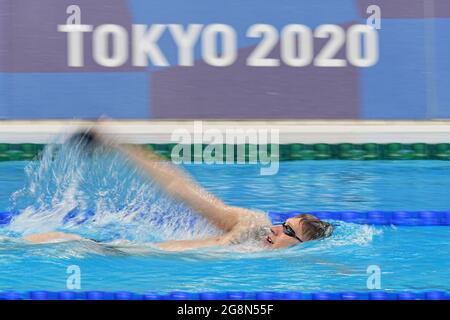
129	206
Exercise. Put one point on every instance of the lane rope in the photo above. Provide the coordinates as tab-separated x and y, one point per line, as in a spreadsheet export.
232	295
398	218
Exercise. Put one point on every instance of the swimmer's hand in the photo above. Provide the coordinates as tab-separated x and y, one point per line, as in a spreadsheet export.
92	139
87	140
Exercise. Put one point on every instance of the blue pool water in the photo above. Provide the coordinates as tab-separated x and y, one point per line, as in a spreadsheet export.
130	207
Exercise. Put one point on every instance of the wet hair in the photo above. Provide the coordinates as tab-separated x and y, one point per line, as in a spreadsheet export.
313	228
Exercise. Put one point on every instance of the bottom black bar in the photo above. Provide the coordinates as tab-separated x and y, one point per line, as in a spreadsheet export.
257	309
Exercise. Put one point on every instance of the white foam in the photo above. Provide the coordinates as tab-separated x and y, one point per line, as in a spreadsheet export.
126	205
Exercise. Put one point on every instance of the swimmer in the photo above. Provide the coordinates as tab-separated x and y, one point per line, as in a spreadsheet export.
238	224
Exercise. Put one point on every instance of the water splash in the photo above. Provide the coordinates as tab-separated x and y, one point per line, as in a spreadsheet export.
104	197
100	196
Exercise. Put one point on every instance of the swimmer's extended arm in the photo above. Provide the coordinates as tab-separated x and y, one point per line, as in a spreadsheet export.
178	245
180	186
181	245
52	237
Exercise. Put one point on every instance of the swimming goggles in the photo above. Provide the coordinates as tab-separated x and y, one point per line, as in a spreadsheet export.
287	230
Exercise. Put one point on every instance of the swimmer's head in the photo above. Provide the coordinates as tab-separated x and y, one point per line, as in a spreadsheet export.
298	229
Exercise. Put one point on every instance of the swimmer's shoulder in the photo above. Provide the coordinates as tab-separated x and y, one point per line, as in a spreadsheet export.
251	226
253	217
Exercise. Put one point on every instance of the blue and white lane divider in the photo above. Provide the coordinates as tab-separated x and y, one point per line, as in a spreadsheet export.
125	295
399	218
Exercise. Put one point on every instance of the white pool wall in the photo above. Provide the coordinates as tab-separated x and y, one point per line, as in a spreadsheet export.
290	131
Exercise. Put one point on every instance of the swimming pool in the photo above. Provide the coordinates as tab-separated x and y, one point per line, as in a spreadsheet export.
127	206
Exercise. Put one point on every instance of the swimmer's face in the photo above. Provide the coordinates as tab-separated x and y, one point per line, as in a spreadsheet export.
278	237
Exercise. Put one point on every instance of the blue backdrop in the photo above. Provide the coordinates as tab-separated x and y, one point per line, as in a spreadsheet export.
409	81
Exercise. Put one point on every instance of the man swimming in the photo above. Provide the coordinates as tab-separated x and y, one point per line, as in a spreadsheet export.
238	224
